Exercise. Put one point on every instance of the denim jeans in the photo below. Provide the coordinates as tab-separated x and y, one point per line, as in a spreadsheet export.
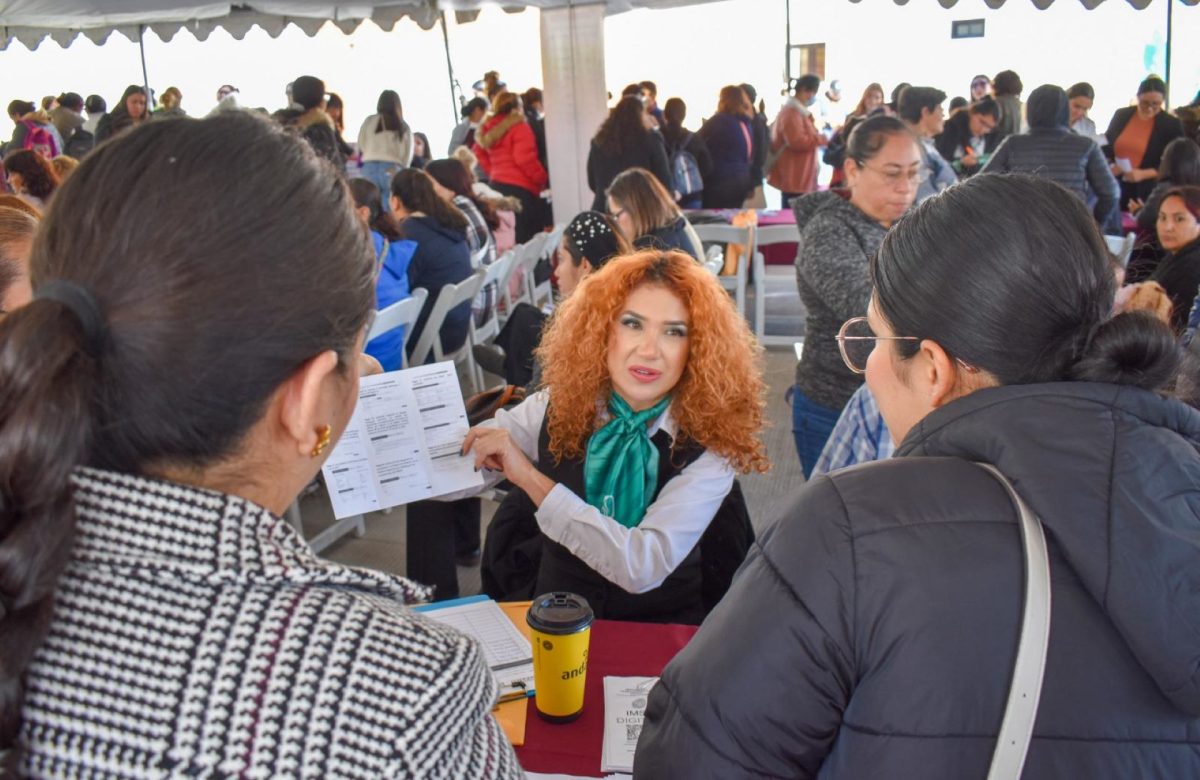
381	174
811	425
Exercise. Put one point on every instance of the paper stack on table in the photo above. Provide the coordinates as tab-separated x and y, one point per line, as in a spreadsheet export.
402	442
508	653
624	711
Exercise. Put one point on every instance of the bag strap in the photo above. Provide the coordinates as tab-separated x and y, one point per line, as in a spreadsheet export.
1016	730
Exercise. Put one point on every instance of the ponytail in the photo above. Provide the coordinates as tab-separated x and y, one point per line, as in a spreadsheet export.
46	431
1134	348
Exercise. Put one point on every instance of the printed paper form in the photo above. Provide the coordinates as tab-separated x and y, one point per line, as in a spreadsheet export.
401	444
624	713
507	651
503	645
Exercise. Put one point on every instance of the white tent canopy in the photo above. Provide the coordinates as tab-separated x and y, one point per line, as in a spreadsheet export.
31	21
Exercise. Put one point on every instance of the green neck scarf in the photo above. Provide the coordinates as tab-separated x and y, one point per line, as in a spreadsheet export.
621	467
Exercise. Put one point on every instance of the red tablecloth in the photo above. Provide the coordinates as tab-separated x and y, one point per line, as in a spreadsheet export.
617	649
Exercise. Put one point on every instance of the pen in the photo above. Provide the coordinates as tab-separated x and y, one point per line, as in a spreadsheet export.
514	696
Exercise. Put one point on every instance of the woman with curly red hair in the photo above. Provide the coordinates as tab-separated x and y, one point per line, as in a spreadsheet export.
652	401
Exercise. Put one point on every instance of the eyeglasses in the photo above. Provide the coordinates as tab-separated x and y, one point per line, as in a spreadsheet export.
616	213
856	341
980	83
895	178
1150	105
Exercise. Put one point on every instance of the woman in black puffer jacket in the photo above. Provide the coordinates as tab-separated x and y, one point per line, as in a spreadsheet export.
872	631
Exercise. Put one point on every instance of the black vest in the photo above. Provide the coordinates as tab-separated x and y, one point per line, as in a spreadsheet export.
519	562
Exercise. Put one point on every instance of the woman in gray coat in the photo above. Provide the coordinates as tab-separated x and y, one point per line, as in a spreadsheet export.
839	235
872	631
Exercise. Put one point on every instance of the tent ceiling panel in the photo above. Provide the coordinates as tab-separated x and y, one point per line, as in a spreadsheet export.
31	21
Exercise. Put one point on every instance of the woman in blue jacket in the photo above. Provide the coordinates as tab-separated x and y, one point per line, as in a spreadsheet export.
392	257
441	256
730	140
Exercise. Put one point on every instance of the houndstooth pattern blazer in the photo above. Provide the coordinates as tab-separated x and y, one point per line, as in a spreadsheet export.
195	634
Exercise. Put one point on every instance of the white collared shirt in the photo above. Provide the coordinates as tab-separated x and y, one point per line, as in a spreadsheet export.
636	559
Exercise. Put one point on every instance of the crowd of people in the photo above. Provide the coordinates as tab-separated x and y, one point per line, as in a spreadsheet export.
962	304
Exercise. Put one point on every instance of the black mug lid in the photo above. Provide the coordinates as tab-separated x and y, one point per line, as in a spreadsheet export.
559	613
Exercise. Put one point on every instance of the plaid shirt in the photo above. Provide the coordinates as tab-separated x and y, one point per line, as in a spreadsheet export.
860	435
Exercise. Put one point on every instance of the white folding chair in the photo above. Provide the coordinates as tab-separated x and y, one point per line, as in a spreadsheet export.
486	332
1121	247
401	314
477	258
504	301
765	236
451	295
527	257
728	234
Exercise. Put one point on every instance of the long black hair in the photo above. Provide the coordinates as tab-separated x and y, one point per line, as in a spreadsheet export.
415	190
454	176
199	329
366	194
1011	275
391	113
624	127
1180	162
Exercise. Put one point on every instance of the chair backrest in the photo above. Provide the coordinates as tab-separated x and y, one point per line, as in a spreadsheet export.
401	314
510	260
477	258
777	234
528	255
496	272
1121	246
728	234
451	295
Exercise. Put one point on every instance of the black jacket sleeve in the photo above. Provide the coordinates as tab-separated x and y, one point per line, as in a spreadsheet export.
699	150
660	166
761	689
1116	126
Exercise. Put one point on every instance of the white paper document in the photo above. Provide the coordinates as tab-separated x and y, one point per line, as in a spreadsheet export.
402	442
506	650
624	712
1124	164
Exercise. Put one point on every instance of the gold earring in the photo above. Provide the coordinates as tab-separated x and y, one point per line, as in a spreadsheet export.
324	433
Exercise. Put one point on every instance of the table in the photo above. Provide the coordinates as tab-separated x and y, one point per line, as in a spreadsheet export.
773	254
617	649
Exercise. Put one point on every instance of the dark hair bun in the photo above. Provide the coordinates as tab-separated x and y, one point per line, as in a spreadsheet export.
1135	348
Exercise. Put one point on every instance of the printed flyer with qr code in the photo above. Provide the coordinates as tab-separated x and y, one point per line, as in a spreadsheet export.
624	712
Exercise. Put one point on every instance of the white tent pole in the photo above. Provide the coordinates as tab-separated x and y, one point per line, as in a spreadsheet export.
145	77
575	97
454	101
1167	75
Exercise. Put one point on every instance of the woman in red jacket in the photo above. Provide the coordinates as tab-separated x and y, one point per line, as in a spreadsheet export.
508	154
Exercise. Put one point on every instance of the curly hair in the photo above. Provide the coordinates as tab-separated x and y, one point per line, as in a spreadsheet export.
624	127
718	402
38	174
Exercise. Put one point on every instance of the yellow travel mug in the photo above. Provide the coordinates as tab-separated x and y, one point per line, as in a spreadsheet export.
560	628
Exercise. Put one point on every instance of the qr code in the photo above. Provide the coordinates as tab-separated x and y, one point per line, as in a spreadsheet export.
633	731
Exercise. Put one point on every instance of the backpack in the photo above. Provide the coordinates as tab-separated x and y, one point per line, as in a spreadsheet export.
685	171
39	139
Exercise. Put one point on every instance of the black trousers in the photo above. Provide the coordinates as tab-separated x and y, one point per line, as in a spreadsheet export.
437	532
532	218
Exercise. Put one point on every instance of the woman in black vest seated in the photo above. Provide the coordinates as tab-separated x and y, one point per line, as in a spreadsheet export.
626	458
